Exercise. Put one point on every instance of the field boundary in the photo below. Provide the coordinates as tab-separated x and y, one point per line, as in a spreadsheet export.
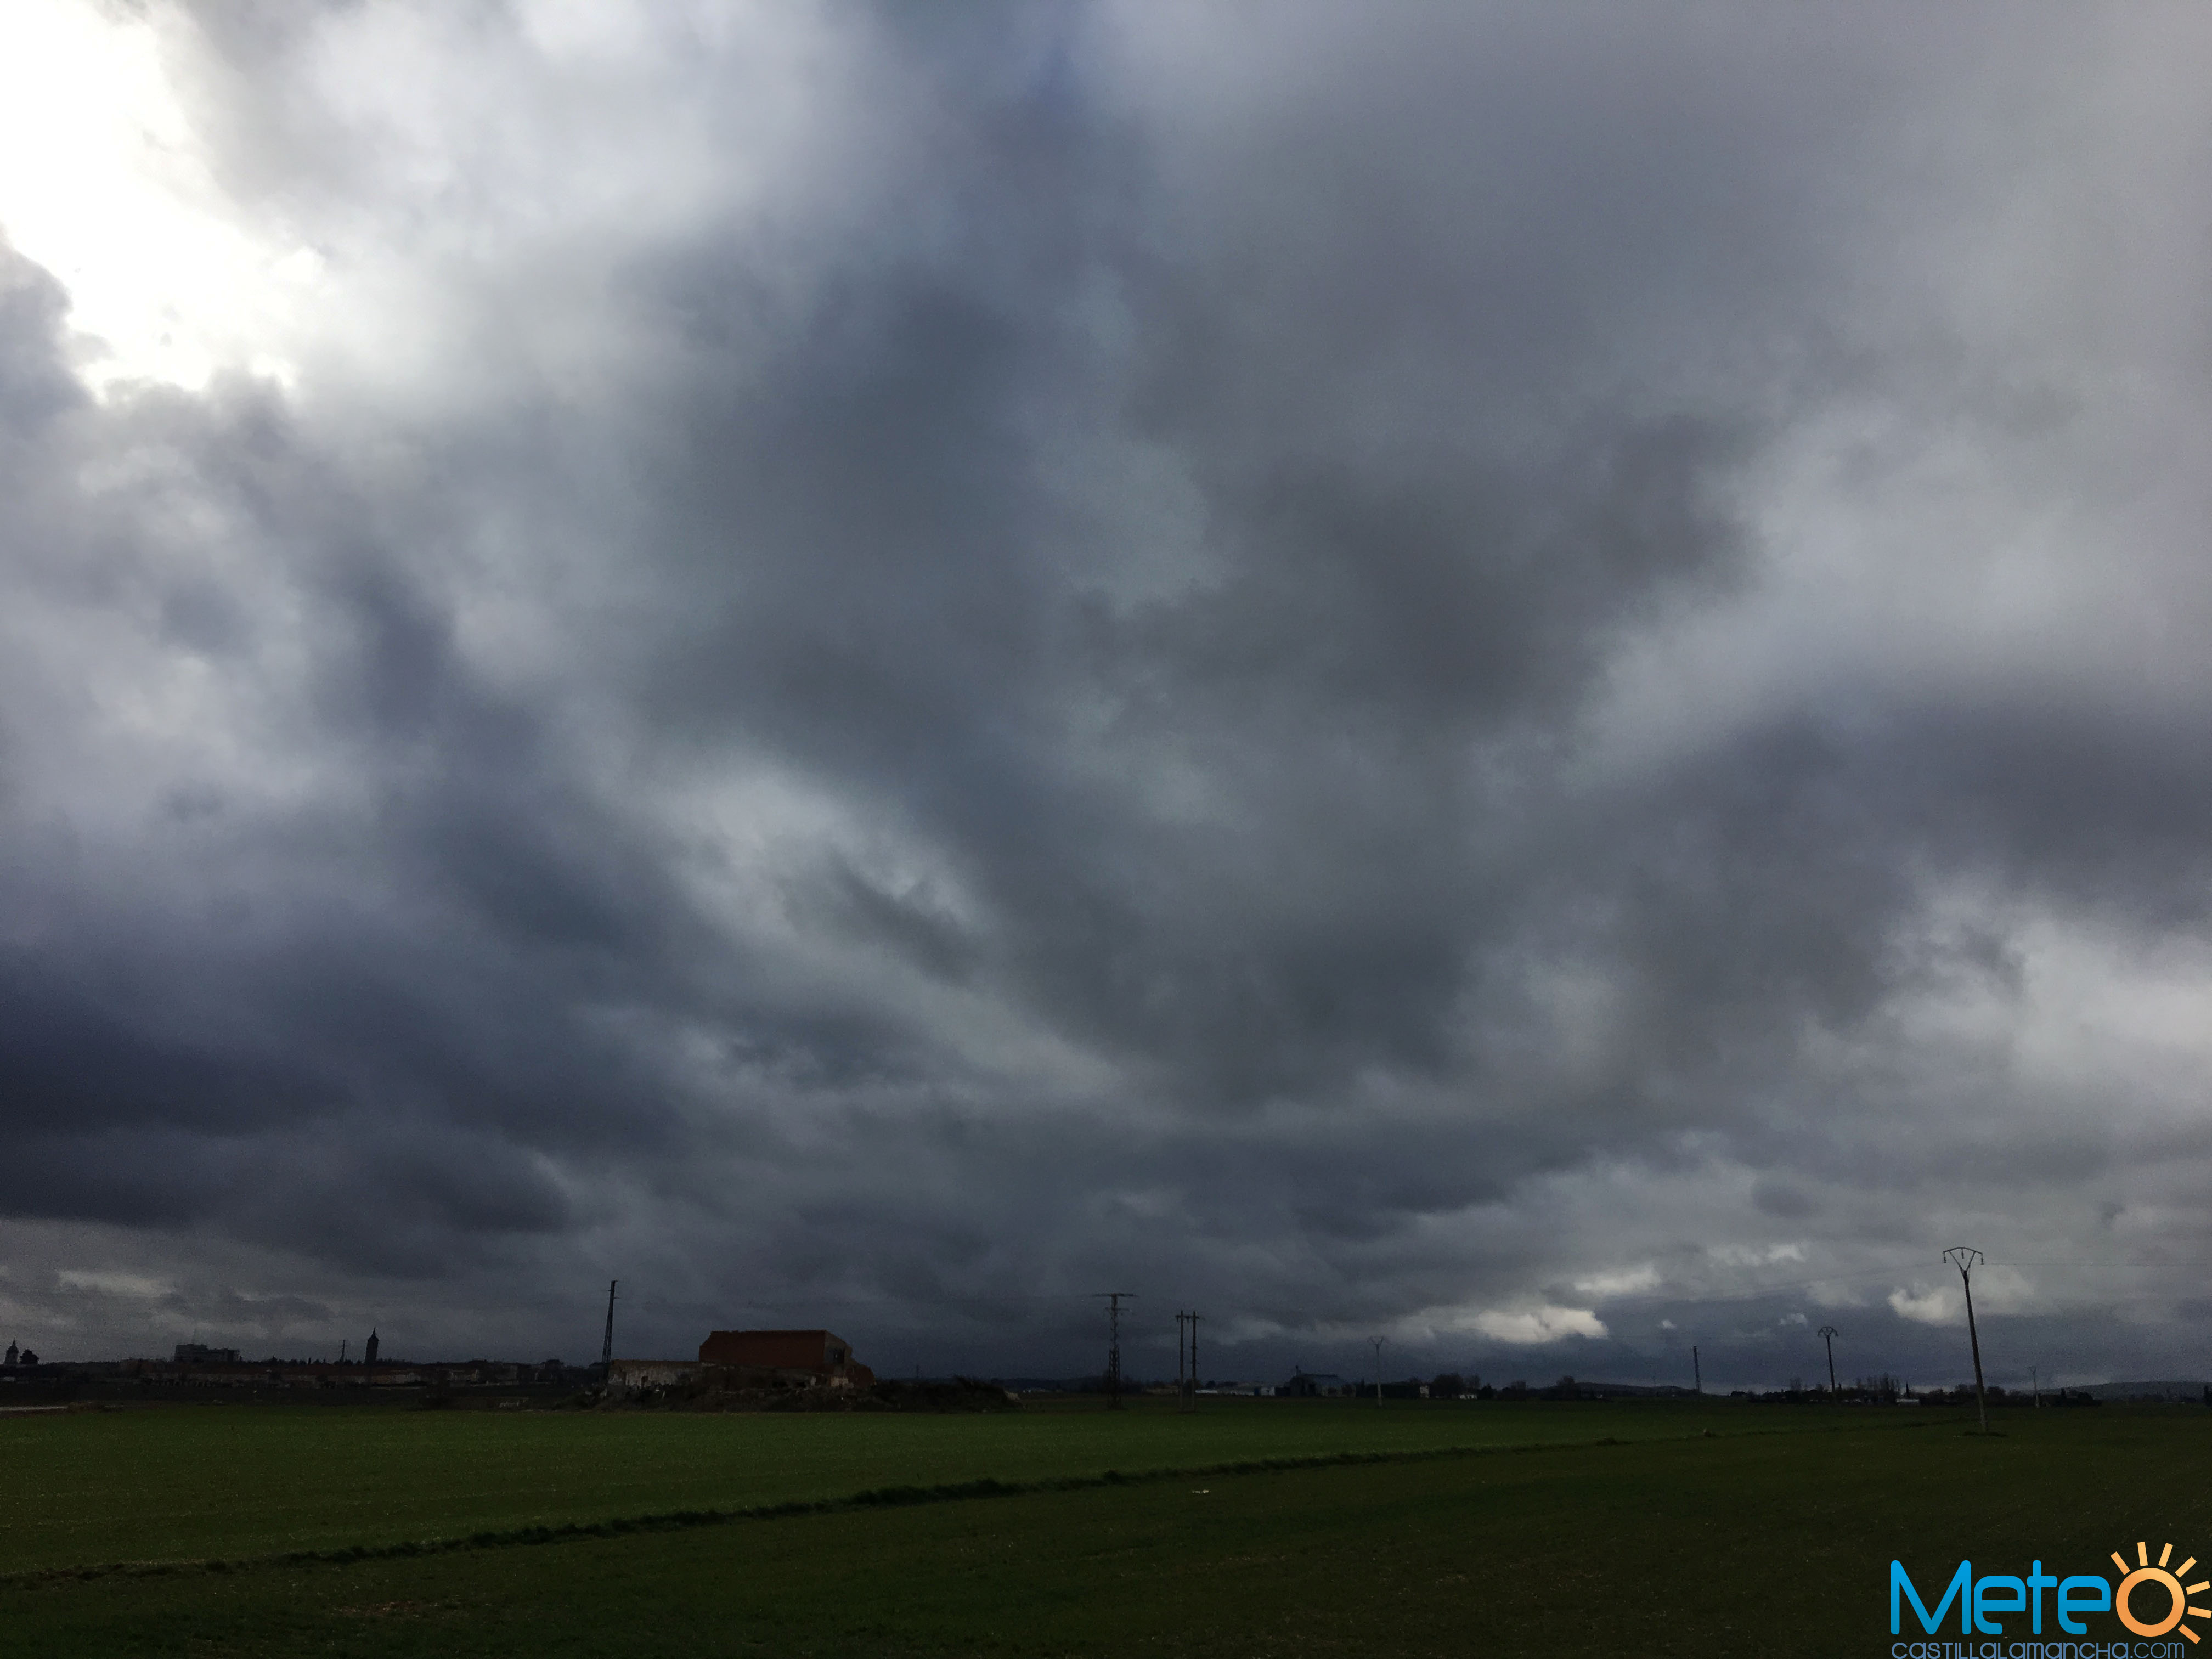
895	1497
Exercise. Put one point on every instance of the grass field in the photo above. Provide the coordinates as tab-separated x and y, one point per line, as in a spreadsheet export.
191	1482
1561	1529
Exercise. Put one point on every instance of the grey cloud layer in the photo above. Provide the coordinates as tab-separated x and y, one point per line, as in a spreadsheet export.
1068	725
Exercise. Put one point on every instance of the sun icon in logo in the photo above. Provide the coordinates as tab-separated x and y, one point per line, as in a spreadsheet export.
2143	1573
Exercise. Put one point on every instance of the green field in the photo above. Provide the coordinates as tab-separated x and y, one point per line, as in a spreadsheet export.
1535	1528
191	1482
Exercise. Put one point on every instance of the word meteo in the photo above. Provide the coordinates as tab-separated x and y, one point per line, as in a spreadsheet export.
1980	1599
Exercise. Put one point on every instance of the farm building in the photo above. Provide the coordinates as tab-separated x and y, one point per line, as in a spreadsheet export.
824	1353
1305	1385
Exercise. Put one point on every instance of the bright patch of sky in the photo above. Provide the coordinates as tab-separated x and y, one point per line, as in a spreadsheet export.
105	183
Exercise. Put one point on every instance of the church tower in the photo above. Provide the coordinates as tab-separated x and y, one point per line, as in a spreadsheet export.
369	1354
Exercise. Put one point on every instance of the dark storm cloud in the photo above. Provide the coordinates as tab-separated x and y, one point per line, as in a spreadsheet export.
1069	726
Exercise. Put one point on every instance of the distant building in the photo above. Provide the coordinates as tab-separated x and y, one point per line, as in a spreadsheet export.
369	1354
11	1355
1308	1385
196	1353
626	1375
826	1354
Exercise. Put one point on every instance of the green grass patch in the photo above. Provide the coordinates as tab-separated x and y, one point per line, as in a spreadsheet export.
1706	1531
192	1482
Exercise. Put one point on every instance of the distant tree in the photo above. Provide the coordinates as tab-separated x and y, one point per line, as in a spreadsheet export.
1449	1385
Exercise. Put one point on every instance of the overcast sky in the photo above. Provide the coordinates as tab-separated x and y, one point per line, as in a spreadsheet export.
1527	678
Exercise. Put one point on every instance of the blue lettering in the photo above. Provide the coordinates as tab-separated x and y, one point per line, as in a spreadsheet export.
2037	1581
2097	1598
1961	1585
2004	1586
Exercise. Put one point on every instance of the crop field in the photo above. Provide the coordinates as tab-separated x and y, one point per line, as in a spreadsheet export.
192	1482
1255	1527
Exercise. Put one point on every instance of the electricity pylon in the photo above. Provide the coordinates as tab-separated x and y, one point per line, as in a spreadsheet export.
1965	1259
1114	1299
1190	1388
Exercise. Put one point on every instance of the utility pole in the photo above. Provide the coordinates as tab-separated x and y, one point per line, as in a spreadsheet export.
1190	1399
607	1344
2036	1383
1965	1259
1828	1334
1114	1299
1378	1342
1182	1319
1697	1371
